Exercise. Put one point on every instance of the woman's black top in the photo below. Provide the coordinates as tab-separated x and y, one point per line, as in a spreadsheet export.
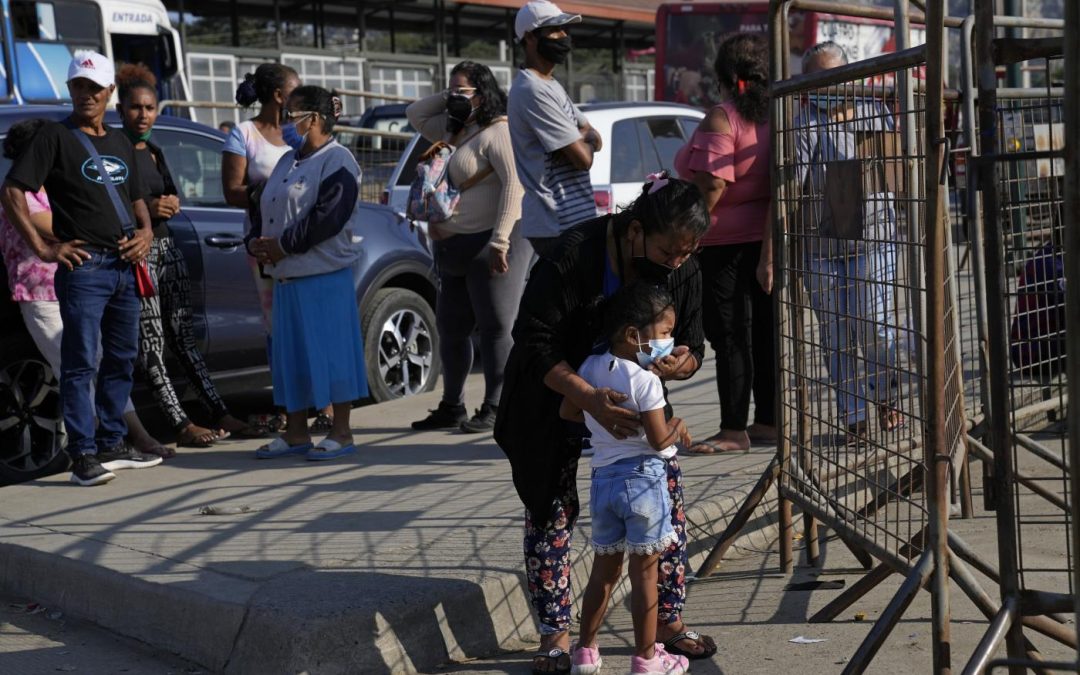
157	181
561	319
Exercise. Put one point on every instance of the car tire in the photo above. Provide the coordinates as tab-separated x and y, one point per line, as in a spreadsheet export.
401	344
32	435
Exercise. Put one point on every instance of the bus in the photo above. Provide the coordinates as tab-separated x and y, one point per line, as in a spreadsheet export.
688	33
39	36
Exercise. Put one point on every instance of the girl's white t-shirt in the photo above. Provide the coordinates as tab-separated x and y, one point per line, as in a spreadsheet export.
644	392
246	140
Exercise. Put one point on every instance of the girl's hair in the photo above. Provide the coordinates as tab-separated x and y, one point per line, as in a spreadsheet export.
481	77
742	67
675	205
316	99
133	76
638	304
268	78
19	135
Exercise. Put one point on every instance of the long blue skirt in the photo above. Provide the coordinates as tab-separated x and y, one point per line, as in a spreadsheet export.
317	349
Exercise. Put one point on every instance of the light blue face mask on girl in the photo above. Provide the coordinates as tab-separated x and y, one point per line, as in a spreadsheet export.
658	349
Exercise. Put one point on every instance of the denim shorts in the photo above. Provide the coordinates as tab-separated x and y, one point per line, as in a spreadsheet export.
631	507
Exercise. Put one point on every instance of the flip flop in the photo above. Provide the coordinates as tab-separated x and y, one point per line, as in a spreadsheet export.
279	447
552	657
713	448
703	640
329	449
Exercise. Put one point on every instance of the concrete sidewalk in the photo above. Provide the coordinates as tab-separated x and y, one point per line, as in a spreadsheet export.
401	558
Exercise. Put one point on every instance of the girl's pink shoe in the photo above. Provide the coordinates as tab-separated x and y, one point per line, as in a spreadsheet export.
661	663
586	661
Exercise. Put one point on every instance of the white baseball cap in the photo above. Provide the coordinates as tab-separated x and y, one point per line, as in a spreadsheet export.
540	14
92	66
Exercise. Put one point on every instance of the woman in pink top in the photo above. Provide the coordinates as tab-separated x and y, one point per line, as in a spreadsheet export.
728	158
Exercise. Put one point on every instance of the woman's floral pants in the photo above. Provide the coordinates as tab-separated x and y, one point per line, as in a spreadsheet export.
547	555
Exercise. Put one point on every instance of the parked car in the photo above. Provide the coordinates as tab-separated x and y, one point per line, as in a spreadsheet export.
395	289
639	139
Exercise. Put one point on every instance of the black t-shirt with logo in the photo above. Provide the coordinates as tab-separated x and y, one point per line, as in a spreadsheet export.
80	202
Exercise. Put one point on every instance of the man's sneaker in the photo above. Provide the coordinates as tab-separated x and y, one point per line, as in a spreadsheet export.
87	470
124	456
443	417
661	663
483	420
586	661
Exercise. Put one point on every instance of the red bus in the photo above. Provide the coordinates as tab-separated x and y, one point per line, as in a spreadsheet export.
688	33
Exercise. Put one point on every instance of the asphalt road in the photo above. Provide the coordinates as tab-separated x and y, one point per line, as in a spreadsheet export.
37	640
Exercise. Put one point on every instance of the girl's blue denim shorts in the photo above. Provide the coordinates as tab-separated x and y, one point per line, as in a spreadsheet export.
631	507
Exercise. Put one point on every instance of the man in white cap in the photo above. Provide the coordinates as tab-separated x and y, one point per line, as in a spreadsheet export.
97	236
552	140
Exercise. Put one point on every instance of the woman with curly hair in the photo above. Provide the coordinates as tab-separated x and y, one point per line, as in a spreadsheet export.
166	317
480	256
728	159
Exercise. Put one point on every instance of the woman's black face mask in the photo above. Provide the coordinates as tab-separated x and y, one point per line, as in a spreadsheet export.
555	50
458	110
648	269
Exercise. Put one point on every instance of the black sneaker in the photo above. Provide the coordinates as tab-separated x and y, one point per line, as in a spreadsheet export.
443	417
87	470
483	420
124	456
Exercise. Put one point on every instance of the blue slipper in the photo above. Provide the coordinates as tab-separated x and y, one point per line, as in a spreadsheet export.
328	449
279	448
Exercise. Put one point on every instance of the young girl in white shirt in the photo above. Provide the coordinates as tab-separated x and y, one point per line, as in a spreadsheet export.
629	502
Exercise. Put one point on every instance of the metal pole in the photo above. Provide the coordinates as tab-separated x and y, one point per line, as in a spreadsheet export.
183	24
937	451
1071	209
279	42
999	425
234	23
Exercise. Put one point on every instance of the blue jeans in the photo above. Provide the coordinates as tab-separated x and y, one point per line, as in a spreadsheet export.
631	510
99	308
852	295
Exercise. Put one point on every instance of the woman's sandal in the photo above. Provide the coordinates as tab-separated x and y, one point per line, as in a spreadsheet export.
187	438
323	424
704	641
552	657
248	431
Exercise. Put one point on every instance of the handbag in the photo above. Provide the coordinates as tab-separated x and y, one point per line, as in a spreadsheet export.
432	196
144	282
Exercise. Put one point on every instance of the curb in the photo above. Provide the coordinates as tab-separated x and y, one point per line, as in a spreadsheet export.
323	620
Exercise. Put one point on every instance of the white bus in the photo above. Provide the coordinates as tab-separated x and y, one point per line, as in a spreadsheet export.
39	37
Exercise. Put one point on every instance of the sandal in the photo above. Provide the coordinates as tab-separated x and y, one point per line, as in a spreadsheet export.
704	641
552	657
889	417
247	431
323	424
190	438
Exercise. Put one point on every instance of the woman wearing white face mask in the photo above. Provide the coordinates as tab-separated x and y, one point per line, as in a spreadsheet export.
480	255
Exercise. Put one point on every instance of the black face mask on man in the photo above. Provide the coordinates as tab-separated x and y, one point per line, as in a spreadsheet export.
555	50
458	111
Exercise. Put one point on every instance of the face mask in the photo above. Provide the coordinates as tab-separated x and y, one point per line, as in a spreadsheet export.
458	111
291	136
555	50
137	138
649	270
658	349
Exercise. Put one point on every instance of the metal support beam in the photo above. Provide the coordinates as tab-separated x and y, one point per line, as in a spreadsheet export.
234	23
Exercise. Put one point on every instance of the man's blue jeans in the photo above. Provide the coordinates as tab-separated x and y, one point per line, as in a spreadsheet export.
852	294
100	309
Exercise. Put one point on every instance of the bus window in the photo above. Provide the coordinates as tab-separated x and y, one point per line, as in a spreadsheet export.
46	35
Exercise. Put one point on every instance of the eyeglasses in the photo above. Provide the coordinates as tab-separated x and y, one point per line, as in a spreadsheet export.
294	117
467	92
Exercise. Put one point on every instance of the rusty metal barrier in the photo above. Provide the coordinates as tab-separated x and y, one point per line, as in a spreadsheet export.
1030	213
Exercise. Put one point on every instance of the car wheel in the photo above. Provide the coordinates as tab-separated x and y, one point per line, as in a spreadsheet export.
401	344
31	425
